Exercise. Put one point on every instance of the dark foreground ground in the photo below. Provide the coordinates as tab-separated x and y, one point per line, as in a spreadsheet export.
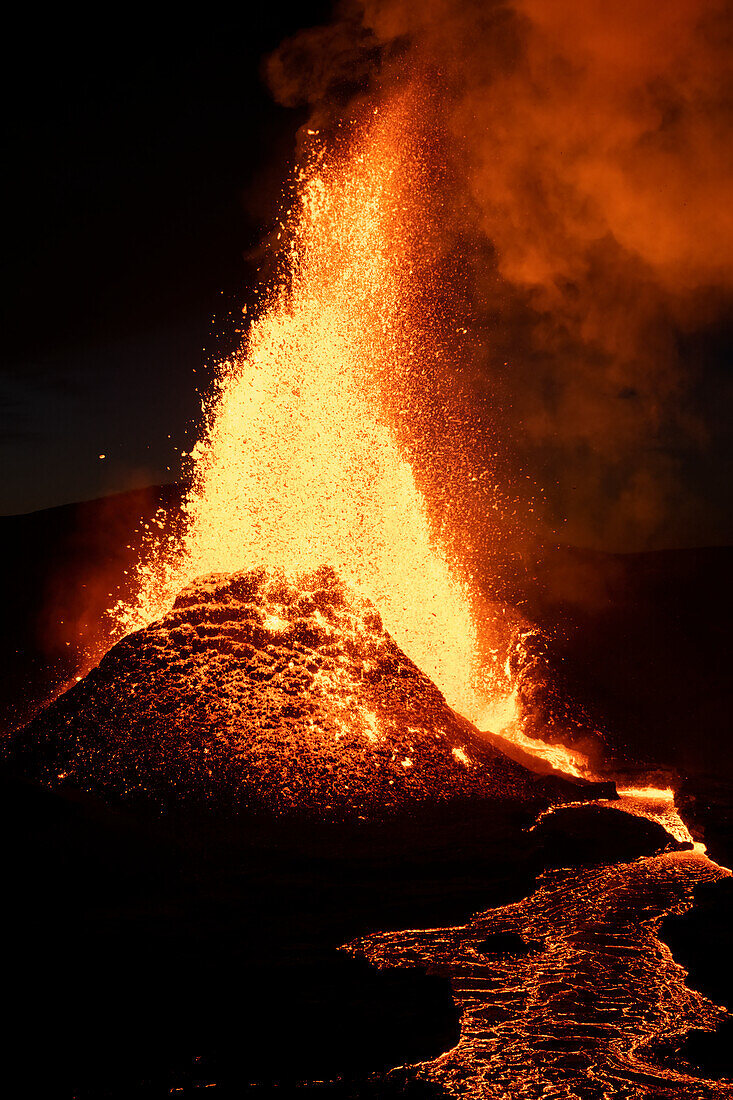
147	954
157	956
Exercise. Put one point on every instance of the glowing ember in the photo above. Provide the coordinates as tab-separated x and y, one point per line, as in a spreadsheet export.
297	466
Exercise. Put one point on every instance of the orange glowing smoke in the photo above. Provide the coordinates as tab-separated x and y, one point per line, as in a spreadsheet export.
297	466
593	168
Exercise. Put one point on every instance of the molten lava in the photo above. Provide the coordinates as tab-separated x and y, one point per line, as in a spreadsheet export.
580	1012
298	466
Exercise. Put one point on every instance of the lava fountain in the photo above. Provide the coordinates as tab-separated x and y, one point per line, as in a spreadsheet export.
299	465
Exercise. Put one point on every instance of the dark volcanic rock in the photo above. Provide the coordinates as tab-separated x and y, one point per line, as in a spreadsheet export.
573	835
700	940
508	944
256	692
705	803
185	948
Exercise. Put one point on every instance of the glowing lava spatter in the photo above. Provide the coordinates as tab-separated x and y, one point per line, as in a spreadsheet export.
297	466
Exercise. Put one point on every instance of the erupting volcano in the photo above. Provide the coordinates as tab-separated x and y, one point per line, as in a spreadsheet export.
300	469
308	659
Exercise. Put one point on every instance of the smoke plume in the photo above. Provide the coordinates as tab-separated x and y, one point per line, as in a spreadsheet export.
586	191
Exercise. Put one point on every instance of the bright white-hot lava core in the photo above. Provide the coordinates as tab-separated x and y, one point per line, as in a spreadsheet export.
298	465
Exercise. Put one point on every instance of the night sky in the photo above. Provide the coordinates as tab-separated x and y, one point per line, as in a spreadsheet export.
144	163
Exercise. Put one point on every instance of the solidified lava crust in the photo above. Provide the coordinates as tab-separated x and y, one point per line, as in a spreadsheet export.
578	1012
272	695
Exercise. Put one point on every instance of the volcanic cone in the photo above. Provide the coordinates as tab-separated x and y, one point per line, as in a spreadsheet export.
269	694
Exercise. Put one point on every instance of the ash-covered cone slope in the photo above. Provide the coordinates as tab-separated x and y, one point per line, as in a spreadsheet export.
269	695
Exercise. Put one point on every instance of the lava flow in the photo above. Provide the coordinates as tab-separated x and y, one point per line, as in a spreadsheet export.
570	992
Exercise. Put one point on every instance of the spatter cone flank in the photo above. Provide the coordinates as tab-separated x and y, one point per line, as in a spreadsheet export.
268	694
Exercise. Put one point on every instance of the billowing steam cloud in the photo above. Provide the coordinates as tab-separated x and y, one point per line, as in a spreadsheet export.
588	192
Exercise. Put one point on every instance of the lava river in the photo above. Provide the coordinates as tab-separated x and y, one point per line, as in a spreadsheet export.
567	993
